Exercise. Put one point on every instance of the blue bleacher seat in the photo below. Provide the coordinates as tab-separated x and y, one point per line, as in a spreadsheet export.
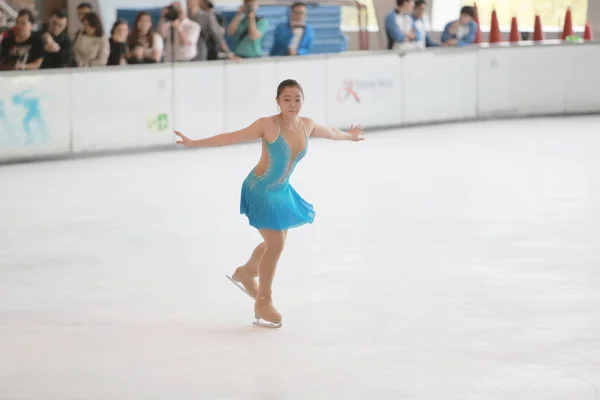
325	19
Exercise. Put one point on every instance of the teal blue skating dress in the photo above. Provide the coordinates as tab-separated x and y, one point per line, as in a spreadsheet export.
269	201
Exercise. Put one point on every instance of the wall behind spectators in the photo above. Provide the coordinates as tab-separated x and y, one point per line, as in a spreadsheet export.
47	7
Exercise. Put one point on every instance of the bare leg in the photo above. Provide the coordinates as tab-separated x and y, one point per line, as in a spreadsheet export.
247	273
263	307
257	255
254	261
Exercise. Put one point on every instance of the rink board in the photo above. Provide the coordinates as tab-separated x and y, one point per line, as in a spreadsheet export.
137	107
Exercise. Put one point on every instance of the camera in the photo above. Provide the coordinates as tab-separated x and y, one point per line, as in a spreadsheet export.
172	13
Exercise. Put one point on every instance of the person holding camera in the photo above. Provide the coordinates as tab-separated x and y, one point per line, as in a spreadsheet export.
180	33
249	30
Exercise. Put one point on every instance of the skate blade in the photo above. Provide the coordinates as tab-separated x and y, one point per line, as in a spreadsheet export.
239	285
266	324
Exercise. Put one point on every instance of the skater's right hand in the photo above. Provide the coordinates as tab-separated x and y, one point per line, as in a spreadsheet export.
187	142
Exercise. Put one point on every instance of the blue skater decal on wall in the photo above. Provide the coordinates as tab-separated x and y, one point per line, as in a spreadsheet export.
21	120
33	115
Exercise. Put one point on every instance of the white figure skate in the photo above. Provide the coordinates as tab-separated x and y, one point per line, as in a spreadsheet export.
244	281
265	313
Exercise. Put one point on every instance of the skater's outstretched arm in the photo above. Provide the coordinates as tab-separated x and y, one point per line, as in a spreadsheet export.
355	133
252	132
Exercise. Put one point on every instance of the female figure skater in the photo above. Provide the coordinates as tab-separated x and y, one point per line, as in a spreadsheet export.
267	198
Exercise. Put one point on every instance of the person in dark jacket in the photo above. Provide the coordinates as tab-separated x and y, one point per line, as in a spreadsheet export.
58	47
210	30
295	37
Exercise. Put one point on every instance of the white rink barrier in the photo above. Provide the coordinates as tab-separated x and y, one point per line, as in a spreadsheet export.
61	112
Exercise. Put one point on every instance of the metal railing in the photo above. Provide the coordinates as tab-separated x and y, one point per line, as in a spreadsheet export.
361	9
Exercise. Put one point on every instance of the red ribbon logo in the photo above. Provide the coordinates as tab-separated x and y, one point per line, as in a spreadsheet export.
347	91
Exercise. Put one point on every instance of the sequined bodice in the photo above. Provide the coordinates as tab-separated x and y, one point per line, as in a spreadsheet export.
281	166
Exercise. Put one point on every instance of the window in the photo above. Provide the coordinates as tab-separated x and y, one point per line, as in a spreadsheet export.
552	13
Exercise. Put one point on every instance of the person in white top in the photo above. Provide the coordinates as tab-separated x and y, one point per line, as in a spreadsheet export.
422	25
400	27
462	32
186	32
145	46
92	48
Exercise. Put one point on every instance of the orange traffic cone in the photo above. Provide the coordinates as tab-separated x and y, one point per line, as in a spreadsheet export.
478	34
538	32
568	28
495	34
515	35
587	34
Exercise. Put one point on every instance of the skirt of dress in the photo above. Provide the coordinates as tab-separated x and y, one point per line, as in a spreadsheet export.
277	209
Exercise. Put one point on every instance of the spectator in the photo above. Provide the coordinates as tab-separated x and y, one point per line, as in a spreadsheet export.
118	43
212	46
83	9
294	37
209	30
249	30
58	47
91	48
209	6
22	48
462	31
6	33
145	45
422	25
400	27
187	33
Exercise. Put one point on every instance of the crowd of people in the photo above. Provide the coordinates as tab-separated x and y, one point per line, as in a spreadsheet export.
185	32
407	27
195	32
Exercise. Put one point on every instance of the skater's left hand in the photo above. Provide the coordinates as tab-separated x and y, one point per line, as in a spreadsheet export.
356	133
187	142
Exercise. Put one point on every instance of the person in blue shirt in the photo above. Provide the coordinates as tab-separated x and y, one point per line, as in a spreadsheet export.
294	37
461	32
400	26
422	25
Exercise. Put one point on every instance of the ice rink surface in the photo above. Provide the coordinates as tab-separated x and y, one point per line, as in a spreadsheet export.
445	262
